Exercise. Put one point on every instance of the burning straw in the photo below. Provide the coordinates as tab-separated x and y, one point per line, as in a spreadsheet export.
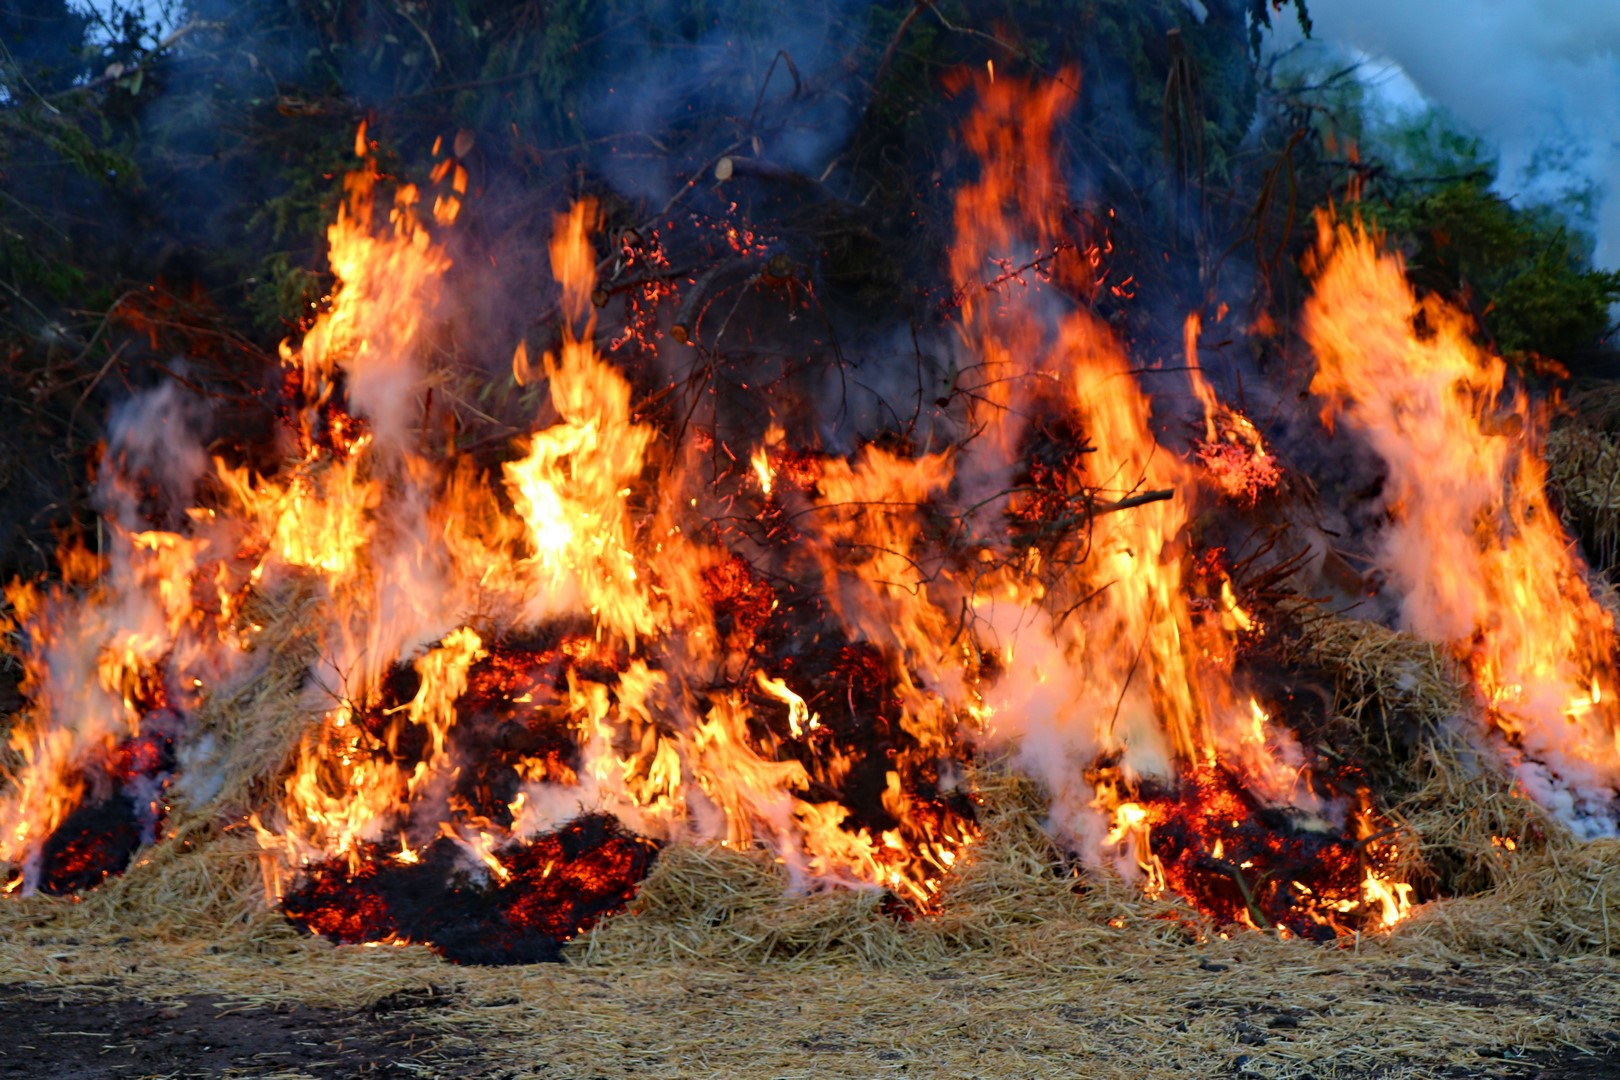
976	702
1537	891
1003	899
717	969
1521	883
202	882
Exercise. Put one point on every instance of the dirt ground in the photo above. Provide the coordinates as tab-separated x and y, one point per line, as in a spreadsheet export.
80	1034
698	1021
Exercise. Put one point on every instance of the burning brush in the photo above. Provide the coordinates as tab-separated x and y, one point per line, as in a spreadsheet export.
533	673
1234	455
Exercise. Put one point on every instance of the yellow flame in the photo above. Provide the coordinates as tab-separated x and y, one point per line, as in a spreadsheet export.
800	718
1482	560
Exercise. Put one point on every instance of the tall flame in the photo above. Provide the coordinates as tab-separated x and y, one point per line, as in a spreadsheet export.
1480	560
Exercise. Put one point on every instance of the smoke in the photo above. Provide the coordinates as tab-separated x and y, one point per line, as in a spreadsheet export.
1538	79
155	437
783	84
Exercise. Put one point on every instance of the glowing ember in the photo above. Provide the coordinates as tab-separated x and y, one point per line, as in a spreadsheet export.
548	890
1258	866
1234	456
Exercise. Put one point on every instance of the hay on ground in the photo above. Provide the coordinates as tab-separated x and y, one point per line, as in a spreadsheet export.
1419	733
1026	960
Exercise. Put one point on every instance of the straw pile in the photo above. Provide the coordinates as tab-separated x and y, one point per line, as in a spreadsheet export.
1013	896
1583	471
1407	712
1520	883
1029	967
1583	468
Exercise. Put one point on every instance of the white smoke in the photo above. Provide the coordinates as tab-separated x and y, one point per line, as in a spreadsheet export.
1539	80
154	435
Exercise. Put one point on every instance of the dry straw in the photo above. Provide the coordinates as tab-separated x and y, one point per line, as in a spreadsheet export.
1521	883
1583	471
1028	967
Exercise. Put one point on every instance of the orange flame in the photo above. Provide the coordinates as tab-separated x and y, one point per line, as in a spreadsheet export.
1481	560
1112	682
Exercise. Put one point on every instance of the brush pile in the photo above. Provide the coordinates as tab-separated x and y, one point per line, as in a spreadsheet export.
703	663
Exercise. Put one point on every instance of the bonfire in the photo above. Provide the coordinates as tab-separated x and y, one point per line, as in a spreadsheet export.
699	673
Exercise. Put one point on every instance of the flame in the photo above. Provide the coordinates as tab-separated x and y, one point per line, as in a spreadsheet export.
1123	682
1392	900
800	718
100	654
1232	451
504	650
322	517
1482	563
760	459
1136	631
658	746
523	372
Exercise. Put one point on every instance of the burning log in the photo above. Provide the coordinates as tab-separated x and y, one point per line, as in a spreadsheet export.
700	295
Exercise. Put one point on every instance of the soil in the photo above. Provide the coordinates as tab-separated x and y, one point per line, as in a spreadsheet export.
51	1035
1604	1066
76	1035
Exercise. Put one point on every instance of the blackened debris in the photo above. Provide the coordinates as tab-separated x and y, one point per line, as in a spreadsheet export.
555	887
97	840
122	811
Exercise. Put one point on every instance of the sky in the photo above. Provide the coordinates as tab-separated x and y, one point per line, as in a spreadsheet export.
1529	76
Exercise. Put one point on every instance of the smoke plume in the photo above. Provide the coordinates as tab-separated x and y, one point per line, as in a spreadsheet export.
1538	79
